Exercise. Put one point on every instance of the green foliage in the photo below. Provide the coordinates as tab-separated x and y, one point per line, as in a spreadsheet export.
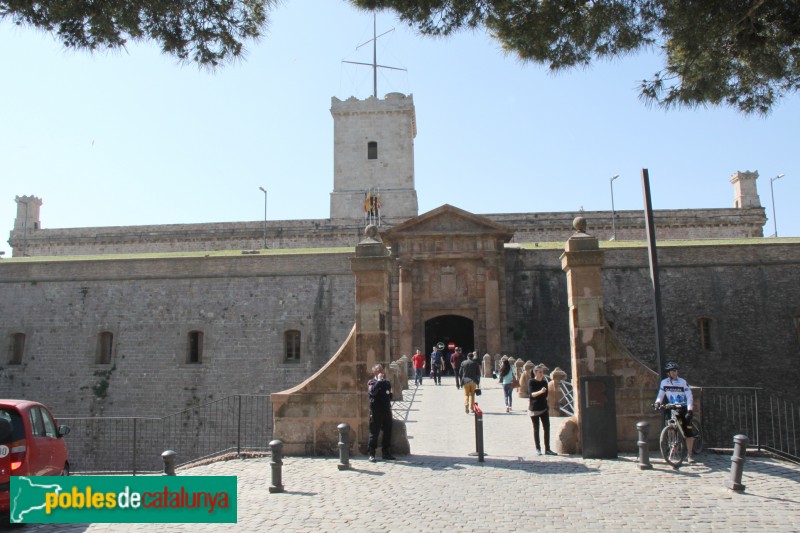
207	32
742	53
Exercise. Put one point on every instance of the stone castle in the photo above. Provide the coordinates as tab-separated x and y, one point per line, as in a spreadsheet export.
93	326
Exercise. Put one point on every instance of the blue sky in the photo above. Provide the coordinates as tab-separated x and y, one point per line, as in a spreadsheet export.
133	137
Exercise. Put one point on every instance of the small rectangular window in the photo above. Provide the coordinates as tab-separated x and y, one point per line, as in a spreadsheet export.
372	150
16	349
105	348
292	342
195	354
797	328
705	334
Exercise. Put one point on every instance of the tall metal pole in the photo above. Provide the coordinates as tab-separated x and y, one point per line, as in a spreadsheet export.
265	215
653	256
772	192
374	55
375	66
613	212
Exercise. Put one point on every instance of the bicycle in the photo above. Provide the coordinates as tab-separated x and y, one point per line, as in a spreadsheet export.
672	441
698	437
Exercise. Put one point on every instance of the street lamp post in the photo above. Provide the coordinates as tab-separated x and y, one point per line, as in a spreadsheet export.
613	212
265	215
772	193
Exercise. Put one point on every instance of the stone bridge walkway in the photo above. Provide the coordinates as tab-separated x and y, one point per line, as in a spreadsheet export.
442	487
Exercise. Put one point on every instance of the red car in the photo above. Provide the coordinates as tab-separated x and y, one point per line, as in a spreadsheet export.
30	444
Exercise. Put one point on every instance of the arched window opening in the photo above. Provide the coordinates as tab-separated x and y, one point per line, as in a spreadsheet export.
292	345
105	348
372	150
194	354
797	328
705	333
16	349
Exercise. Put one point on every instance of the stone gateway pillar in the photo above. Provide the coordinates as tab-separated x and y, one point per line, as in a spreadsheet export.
596	352
582	260
406	310
306	417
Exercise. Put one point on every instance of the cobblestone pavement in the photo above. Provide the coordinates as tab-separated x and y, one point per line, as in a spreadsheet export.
442	487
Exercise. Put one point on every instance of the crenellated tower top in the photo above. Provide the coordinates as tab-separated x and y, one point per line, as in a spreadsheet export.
745	191
373	159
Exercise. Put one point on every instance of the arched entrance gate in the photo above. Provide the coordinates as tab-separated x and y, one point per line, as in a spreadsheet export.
447	329
450	272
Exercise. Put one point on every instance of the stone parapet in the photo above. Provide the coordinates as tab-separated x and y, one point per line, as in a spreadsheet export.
324	233
671	224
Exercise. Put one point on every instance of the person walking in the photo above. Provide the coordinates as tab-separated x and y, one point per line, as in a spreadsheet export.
419	367
379	390
507	378
455	361
538	409
437	365
470	381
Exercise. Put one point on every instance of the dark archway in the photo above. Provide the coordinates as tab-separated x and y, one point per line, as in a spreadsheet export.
446	329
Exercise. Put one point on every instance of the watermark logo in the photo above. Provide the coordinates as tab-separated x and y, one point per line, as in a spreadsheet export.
123	499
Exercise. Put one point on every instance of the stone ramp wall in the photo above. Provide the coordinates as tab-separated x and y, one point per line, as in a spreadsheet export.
636	386
306	416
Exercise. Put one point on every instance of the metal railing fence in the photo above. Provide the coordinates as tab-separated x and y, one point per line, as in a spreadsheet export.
770	422
235	424
567	399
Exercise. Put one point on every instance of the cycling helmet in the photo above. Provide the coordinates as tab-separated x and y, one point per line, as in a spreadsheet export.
671	365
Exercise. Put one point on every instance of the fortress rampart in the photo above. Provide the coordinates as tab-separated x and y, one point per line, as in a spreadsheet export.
243	305
727	223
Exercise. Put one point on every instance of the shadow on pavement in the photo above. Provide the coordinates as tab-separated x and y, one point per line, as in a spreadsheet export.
544	466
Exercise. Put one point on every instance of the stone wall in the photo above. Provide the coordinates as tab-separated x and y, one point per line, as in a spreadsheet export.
242	305
750	293
537	314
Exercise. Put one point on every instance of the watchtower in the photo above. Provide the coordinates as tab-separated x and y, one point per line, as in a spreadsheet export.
373	158
27	213
745	191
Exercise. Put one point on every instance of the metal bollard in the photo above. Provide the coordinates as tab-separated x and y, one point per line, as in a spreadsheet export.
737	463
344	446
169	458
644	449
277	451
479	432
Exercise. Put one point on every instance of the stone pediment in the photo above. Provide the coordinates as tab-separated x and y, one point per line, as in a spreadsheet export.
448	220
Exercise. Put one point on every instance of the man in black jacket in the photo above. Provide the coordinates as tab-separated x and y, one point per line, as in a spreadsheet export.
380	414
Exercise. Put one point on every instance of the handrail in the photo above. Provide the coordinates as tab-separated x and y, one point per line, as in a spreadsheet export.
567	406
773	426
237	424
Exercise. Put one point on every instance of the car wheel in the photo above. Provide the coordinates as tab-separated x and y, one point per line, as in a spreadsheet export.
65	472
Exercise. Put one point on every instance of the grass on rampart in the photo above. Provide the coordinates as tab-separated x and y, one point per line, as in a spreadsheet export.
664	244
349	249
173	255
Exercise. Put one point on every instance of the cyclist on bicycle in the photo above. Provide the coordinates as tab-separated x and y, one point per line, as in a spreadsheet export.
677	391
